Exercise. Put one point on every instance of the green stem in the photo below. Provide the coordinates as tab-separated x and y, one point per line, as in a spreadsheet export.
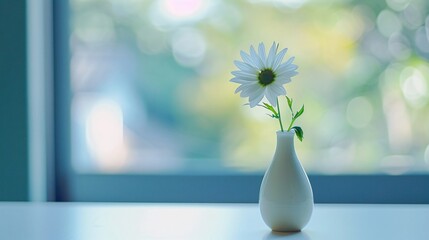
280	116
291	123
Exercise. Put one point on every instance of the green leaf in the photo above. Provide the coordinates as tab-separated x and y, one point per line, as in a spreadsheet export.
271	108
289	102
300	112
299	133
273	116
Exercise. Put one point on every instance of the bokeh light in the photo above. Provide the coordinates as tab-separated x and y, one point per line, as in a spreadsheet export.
359	112
189	47
105	135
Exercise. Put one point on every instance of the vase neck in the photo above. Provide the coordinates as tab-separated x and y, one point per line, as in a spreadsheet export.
285	142
286	137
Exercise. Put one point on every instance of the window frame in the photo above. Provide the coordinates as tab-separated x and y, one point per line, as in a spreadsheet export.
225	188
244	188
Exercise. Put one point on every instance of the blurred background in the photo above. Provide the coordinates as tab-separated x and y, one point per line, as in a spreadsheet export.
141	88
150	89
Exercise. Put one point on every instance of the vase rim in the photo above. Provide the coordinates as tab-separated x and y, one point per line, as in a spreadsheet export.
291	132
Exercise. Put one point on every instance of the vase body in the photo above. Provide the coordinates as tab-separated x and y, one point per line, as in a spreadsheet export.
285	197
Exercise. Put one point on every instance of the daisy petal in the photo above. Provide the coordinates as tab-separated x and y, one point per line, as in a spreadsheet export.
287	74
262	56
283	80
237	80
247	59
247	78
271	97
277	89
279	59
255	58
245	67
256	99
244	74
240	81
286	68
288	62
241	87
250	90
272	55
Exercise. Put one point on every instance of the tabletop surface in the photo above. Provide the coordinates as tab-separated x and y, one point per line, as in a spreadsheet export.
106	221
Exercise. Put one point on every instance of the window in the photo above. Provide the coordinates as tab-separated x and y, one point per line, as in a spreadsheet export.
151	107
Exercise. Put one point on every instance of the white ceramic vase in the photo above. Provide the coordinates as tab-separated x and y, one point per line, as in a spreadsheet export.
286	198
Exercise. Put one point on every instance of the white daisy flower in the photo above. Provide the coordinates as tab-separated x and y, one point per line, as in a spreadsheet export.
263	76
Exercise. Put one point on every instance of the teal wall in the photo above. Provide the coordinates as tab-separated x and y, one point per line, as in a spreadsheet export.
13	102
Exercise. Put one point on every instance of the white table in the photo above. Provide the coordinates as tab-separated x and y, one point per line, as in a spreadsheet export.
125	221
